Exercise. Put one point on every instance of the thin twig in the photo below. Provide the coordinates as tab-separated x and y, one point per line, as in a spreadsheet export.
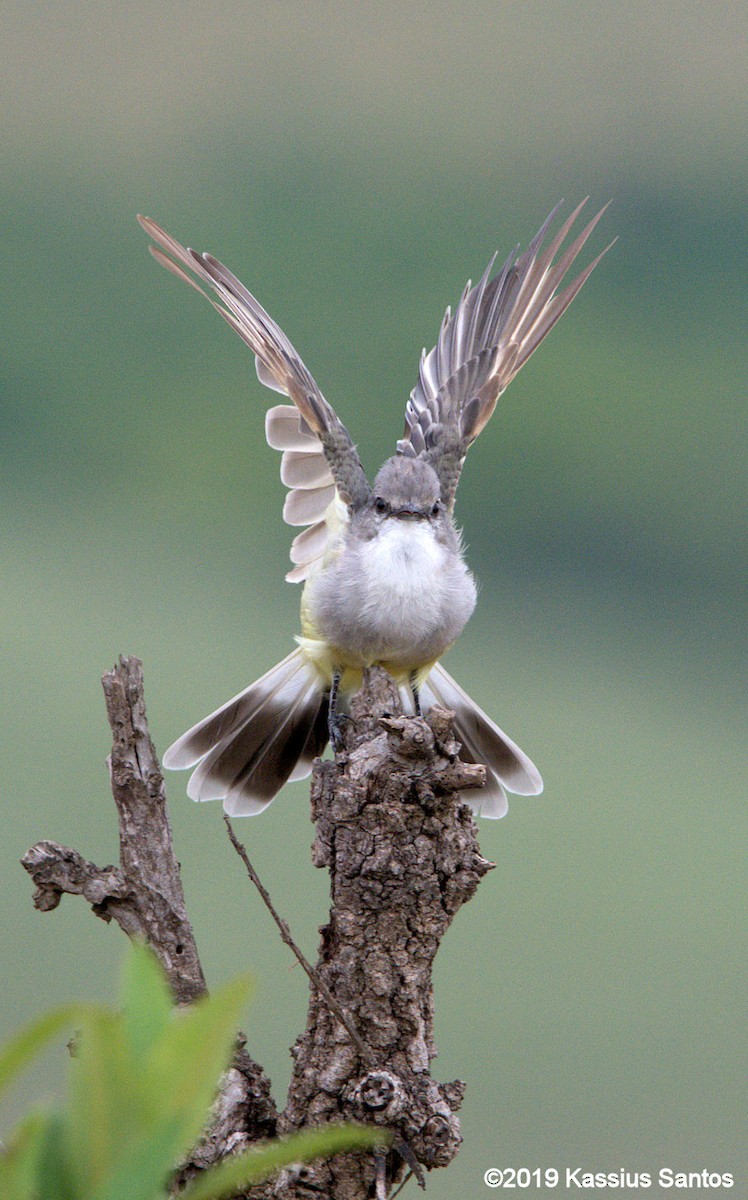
402	1185
285	933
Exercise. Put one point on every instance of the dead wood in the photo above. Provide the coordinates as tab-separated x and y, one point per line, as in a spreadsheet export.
402	854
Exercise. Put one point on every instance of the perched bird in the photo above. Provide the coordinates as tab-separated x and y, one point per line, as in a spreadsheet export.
384	577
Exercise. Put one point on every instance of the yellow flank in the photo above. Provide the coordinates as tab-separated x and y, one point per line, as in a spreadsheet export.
326	659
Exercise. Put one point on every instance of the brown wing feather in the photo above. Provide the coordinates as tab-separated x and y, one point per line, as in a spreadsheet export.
495	328
279	366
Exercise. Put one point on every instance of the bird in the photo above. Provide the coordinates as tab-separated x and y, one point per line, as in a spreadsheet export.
385	579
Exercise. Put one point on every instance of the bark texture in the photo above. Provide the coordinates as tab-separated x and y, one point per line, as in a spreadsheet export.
402	854
144	895
403	857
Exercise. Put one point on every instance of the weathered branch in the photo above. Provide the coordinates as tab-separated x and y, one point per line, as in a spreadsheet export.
403	857
144	895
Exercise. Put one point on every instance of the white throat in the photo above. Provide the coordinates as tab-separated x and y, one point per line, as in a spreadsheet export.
404	557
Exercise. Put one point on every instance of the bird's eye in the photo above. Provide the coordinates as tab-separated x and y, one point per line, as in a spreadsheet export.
380	505
436	509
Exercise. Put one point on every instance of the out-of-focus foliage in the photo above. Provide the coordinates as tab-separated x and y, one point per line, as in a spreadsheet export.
142	1080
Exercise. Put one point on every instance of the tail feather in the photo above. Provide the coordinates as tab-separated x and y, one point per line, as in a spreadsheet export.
245	751
315	745
270	733
273	763
193	745
233	757
508	768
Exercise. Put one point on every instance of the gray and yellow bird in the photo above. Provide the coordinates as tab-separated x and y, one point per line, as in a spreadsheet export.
384	578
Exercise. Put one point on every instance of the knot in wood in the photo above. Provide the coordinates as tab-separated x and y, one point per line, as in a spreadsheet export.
440	721
438	1130
409	737
439	1140
303	1178
381	1095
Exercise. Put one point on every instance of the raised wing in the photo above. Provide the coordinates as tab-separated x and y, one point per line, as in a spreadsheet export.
320	464
313	498
495	328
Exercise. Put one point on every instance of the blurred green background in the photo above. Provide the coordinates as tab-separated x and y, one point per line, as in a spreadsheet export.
354	165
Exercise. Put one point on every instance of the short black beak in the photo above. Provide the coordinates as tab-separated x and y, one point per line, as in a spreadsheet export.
408	513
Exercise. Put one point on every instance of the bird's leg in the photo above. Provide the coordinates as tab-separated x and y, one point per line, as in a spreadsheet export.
333	716
414	690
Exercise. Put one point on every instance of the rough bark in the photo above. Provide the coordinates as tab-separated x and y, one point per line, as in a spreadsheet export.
403	857
144	895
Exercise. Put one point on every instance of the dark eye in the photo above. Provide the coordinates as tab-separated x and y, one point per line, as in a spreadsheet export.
380	505
436	509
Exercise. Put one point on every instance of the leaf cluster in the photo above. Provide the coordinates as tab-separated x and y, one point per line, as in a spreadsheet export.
143	1078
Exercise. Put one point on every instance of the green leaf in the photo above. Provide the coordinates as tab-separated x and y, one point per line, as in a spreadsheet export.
186	1063
105	1111
56	1175
35	1165
146	999
19	1052
144	1169
143	1081
252	1166
19	1162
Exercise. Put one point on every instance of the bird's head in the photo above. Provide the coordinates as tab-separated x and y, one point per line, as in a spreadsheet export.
406	489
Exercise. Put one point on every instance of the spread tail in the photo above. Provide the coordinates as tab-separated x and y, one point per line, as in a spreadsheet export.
508	768
245	751
270	733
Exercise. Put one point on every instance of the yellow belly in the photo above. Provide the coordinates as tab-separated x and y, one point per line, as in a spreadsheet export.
326	659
